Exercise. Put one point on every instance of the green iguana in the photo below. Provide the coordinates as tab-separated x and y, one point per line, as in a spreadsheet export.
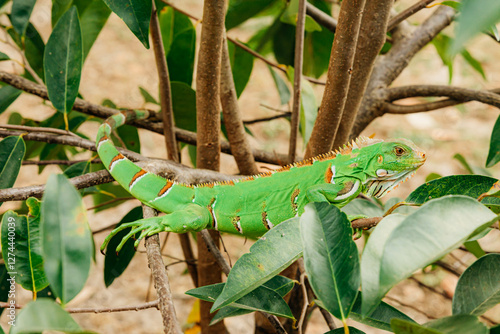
253	205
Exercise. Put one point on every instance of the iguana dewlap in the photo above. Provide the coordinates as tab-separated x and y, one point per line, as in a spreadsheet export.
253	205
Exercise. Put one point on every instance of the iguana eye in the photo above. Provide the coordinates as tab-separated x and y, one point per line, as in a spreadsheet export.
399	151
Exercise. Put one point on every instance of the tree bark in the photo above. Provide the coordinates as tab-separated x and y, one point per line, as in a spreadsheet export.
372	36
208	129
338	78
240	147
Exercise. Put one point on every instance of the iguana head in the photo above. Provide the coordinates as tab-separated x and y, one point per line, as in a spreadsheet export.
392	164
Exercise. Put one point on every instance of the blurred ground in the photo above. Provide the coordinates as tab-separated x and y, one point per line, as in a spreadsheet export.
118	64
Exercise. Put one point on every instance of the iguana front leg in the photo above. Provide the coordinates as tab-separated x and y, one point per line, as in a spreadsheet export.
191	217
339	193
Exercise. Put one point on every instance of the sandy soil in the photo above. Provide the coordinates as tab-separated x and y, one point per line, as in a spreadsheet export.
118	64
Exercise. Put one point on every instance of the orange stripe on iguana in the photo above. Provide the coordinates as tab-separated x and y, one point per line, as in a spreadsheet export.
115	159
166	188
136	177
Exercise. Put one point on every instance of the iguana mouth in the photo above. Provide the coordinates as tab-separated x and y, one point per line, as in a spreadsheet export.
380	186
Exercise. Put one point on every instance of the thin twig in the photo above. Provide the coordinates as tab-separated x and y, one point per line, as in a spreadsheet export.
297	79
38	129
114	200
114	309
419	5
215	252
366	223
165	92
410	307
306	302
97	310
321	17
58	162
160	277
265	119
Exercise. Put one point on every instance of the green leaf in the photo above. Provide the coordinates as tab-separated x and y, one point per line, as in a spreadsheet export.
284	44
262	298
77	169
283	90
380	318
45	315
458	324
59	7
184	105
474	248
330	257
473	62
20	14
239	11
398	247
494	152
317	50
67	244
4	285
8	94
21	247
308	106
63	61
179	38
136	14
115	263
341	330
442	44
272	253
241	65
12	151
130	137
34	48
92	20
475	17
478	288
468	185
495	329
147	97
3	56
364	207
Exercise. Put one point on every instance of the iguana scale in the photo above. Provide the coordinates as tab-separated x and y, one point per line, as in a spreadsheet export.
253	205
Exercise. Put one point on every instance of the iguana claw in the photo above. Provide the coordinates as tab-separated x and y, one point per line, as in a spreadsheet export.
146	227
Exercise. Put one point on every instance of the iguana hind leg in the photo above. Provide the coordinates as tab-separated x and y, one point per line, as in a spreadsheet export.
191	217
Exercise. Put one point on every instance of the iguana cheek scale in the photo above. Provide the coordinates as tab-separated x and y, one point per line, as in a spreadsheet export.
252	205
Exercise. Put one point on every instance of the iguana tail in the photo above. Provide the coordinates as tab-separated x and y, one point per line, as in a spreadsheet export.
145	186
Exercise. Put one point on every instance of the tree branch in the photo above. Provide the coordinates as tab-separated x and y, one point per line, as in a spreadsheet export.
392	108
371	39
160	278
38	129
297	78
236	134
58	162
394	62
416	7
167	113
455	93
338	78
321	17
208	129
104	112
